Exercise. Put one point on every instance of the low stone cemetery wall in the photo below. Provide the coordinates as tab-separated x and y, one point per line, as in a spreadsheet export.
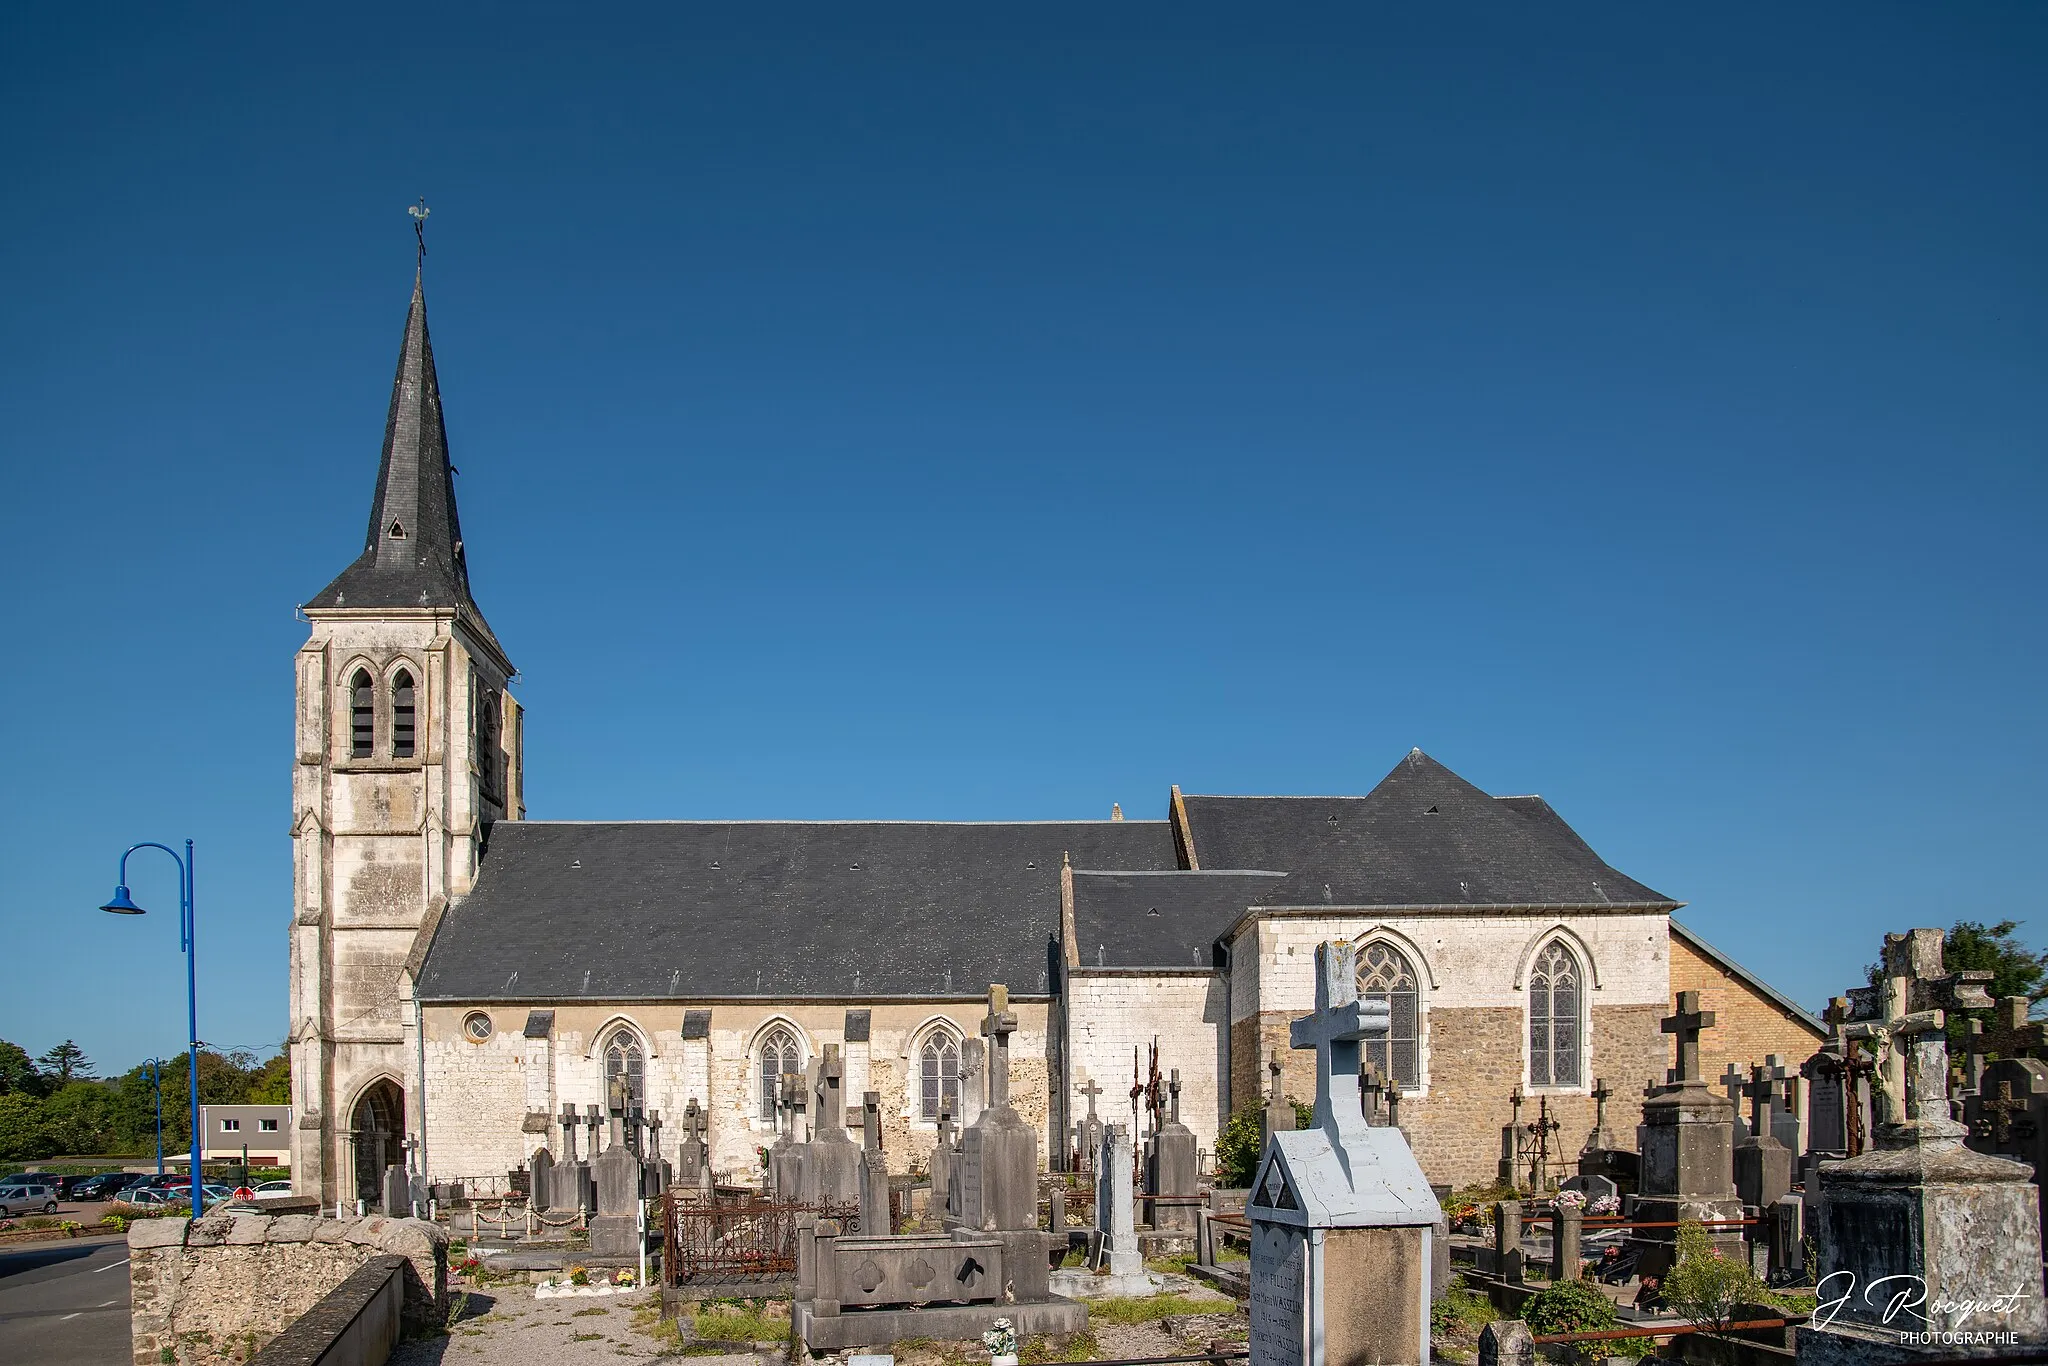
217	1289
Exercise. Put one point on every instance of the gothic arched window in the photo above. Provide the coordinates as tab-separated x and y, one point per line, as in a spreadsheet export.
362	716
401	716
938	1075
1554	999
778	1059
1384	974
625	1072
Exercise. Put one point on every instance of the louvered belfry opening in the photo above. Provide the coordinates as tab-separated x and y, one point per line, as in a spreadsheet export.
402	729
362	716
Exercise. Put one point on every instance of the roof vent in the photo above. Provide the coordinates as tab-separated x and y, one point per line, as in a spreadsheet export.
716	864
1332	818
1431	812
397	532
854	864
575	863
1033	863
1153	911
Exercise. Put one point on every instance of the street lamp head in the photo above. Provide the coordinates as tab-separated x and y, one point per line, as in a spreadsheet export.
121	905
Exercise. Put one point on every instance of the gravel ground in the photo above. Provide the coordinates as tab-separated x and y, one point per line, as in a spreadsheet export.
506	1326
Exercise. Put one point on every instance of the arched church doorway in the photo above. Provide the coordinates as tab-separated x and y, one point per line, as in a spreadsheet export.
377	1132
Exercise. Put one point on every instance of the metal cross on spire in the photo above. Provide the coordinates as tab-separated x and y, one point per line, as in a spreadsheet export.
418	213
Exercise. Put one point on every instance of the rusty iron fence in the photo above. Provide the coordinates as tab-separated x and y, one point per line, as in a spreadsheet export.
733	1238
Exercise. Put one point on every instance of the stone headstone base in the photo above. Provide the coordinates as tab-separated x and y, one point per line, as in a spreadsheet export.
1089	1285
946	1323
614	1235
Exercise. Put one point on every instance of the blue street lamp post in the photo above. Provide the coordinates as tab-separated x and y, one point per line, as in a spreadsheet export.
122	905
153	1068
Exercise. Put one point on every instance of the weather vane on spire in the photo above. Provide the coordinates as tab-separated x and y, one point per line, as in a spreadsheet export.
419	214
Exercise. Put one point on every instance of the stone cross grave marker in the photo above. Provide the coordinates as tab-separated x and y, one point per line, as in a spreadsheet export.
1115	1244
1687	1141
1342	1217
973	1081
874	1170
693	1151
1173	1168
1279	1112
569	1122
1090	1129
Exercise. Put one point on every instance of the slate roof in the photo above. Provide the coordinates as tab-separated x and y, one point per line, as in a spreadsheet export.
775	910
1155	920
1423	837
423	566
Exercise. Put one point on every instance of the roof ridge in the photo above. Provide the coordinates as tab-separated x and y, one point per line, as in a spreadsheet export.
842	820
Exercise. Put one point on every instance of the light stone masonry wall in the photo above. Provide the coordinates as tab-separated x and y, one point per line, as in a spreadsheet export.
1111	1013
212	1291
477	1093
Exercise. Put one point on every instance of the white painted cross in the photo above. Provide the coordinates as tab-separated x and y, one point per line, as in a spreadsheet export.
1334	1031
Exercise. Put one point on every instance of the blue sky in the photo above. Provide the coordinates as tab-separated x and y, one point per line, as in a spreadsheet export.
913	414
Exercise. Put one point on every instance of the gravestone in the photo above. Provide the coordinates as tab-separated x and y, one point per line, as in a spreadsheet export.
1763	1165
786	1154
693	1151
540	1175
1686	1139
999	1165
2009	1117
1788	1104
1594	1187
569	1124
1113	1253
1734	1085
657	1166
1342	1218
397	1192
1088	1132
945	1197
1172	1171
973	1081
615	1228
1278	1117
1961	1226
1600	1138
831	1161
874	1168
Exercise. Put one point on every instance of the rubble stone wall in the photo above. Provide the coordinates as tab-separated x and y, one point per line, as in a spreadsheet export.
215	1290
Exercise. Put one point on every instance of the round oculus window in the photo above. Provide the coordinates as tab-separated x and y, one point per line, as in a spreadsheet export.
477	1026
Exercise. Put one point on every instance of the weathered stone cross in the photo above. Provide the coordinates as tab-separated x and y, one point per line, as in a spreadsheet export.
1758	1092
1600	1094
1687	1024
2010	1033
1273	1096
1340	1021
693	1121
997	1027
1999	1128
871	1121
1173	1103
1734	1086
830	1114
1091	1090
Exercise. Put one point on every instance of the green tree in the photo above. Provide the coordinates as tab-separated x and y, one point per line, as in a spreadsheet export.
271	1084
79	1118
21	1128
18	1074
65	1064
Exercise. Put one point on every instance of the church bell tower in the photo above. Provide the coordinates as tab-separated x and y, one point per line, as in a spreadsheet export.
408	750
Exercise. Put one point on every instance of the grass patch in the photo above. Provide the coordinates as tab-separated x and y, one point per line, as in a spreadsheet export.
1152	1308
586	1313
586	1337
1080	1346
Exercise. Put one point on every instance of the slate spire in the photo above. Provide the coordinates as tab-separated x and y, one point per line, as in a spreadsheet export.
412	555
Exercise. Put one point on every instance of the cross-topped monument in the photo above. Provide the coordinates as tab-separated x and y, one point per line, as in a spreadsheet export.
1687	1023
1341	1214
997	1026
1340	1023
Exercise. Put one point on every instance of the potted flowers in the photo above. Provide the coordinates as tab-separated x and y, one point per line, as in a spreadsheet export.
1001	1342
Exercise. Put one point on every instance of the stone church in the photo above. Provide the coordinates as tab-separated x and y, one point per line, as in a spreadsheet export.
459	974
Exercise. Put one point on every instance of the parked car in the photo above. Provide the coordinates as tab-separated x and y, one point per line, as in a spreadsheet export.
274	1188
151	1195
27	1199
100	1187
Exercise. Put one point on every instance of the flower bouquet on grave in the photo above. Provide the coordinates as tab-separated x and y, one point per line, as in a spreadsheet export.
1001	1342
1565	1200
579	1276
1605	1204
623	1279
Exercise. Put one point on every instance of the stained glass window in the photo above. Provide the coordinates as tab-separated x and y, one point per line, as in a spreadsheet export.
778	1059
1384	974
1554	1018
940	1068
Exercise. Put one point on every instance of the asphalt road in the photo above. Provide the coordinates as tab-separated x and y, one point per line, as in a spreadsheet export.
65	1303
